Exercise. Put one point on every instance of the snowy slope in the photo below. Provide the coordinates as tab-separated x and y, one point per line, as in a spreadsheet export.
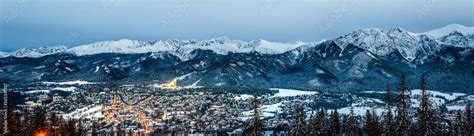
268	47
182	48
380	42
438	33
124	46
409	44
35	52
3	54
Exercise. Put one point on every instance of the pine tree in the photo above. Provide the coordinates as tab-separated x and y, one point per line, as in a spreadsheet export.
14	124
457	125
402	122
71	127
255	127
426	115
80	129
53	123
317	124
335	124
388	118
63	128
375	125
298	125
350	124
39	120
371	123
94	129
60	126
467	121
1	122
26	124
367	122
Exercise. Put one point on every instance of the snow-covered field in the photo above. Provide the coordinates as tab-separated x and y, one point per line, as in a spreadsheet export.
447	96
266	110
65	89
290	92
36	91
86	112
272	109
455	107
243	97
437	98
76	82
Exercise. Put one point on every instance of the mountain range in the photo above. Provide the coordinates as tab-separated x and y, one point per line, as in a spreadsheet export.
364	59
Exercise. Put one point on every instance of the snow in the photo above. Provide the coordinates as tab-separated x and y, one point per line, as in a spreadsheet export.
290	92
272	108
179	48
34	52
373	92
183	48
437	33
366	101
184	76
119	46
76	82
375	40
268	47
66	89
455	107
266	110
243	97
315	82
86	112
39	67
3	54
378	42
452	96
69	69
96	69
319	71
194	85
36	91
219	84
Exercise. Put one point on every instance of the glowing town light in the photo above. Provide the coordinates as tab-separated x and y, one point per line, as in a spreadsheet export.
169	85
40	133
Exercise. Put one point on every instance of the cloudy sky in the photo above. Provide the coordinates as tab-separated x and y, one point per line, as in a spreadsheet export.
32	23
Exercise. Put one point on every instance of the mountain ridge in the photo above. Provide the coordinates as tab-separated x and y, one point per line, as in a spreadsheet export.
361	60
224	45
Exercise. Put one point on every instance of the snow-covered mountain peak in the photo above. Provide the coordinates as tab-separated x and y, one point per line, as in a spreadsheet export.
267	47
380	42
397	29
457	38
3	54
374	40
438	33
125	46
37	52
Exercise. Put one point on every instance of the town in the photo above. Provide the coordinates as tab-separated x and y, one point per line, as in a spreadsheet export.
169	109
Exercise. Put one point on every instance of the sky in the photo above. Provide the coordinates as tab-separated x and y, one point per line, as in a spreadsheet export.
32	23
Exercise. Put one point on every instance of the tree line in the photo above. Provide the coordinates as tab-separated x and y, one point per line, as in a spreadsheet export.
24	124
424	122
